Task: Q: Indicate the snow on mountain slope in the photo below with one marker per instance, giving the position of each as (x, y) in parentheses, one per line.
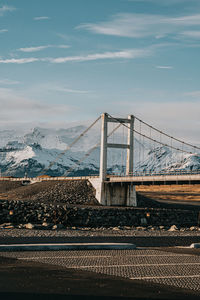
(7, 136)
(32, 152)
(51, 138)
(165, 159)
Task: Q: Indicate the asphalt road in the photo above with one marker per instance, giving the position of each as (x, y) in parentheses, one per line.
(101, 274)
(160, 272)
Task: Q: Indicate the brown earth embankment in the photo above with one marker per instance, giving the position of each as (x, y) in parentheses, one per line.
(177, 194)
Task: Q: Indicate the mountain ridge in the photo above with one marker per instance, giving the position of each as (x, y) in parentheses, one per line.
(32, 152)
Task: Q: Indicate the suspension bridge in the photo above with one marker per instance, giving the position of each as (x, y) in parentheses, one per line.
(148, 156)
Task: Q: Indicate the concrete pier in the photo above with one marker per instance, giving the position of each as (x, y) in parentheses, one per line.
(119, 194)
(114, 194)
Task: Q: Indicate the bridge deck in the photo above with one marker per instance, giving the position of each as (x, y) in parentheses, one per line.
(158, 179)
(135, 180)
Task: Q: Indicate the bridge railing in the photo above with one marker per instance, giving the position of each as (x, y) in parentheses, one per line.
(134, 174)
(168, 173)
(39, 179)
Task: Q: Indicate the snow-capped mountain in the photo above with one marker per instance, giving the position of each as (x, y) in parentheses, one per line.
(42, 151)
(164, 159)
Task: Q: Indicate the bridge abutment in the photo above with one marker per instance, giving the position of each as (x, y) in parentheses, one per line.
(119, 194)
(114, 194)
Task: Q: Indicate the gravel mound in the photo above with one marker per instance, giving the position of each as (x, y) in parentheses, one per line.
(69, 192)
(6, 186)
(74, 192)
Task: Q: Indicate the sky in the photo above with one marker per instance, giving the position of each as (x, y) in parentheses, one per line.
(71, 60)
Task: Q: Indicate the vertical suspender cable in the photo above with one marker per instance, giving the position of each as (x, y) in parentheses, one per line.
(150, 144)
(70, 146)
(160, 151)
(123, 153)
(143, 150)
(140, 146)
(87, 154)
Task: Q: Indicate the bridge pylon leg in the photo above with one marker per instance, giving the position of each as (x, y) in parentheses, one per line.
(130, 150)
(103, 153)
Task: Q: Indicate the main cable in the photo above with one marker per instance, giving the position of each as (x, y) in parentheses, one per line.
(145, 136)
(169, 136)
(88, 153)
(70, 146)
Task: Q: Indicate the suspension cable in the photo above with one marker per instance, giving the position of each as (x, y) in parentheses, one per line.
(152, 138)
(70, 146)
(163, 144)
(169, 136)
(89, 152)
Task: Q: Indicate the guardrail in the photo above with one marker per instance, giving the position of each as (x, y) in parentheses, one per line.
(38, 179)
(136, 175)
(143, 174)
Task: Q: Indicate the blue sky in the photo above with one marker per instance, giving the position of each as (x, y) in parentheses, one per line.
(69, 60)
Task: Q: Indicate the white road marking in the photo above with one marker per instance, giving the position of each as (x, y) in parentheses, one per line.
(165, 277)
(66, 257)
(141, 265)
(131, 265)
(104, 256)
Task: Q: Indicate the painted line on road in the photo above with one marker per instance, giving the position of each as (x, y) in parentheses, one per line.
(165, 277)
(138, 265)
(66, 257)
(99, 256)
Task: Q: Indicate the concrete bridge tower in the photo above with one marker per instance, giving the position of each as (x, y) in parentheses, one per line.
(115, 193)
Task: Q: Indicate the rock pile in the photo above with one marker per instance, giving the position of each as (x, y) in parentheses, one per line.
(72, 203)
(70, 192)
(24, 212)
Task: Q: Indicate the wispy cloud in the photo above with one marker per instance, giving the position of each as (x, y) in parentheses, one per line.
(41, 18)
(63, 46)
(142, 25)
(68, 90)
(194, 94)
(63, 36)
(191, 34)
(3, 30)
(33, 49)
(39, 48)
(8, 82)
(160, 2)
(164, 67)
(186, 20)
(18, 60)
(125, 54)
(5, 8)
(16, 107)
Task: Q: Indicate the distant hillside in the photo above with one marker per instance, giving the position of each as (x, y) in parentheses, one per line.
(31, 152)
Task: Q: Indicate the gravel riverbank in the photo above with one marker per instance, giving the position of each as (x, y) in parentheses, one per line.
(64, 204)
(90, 232)
(140, 237)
